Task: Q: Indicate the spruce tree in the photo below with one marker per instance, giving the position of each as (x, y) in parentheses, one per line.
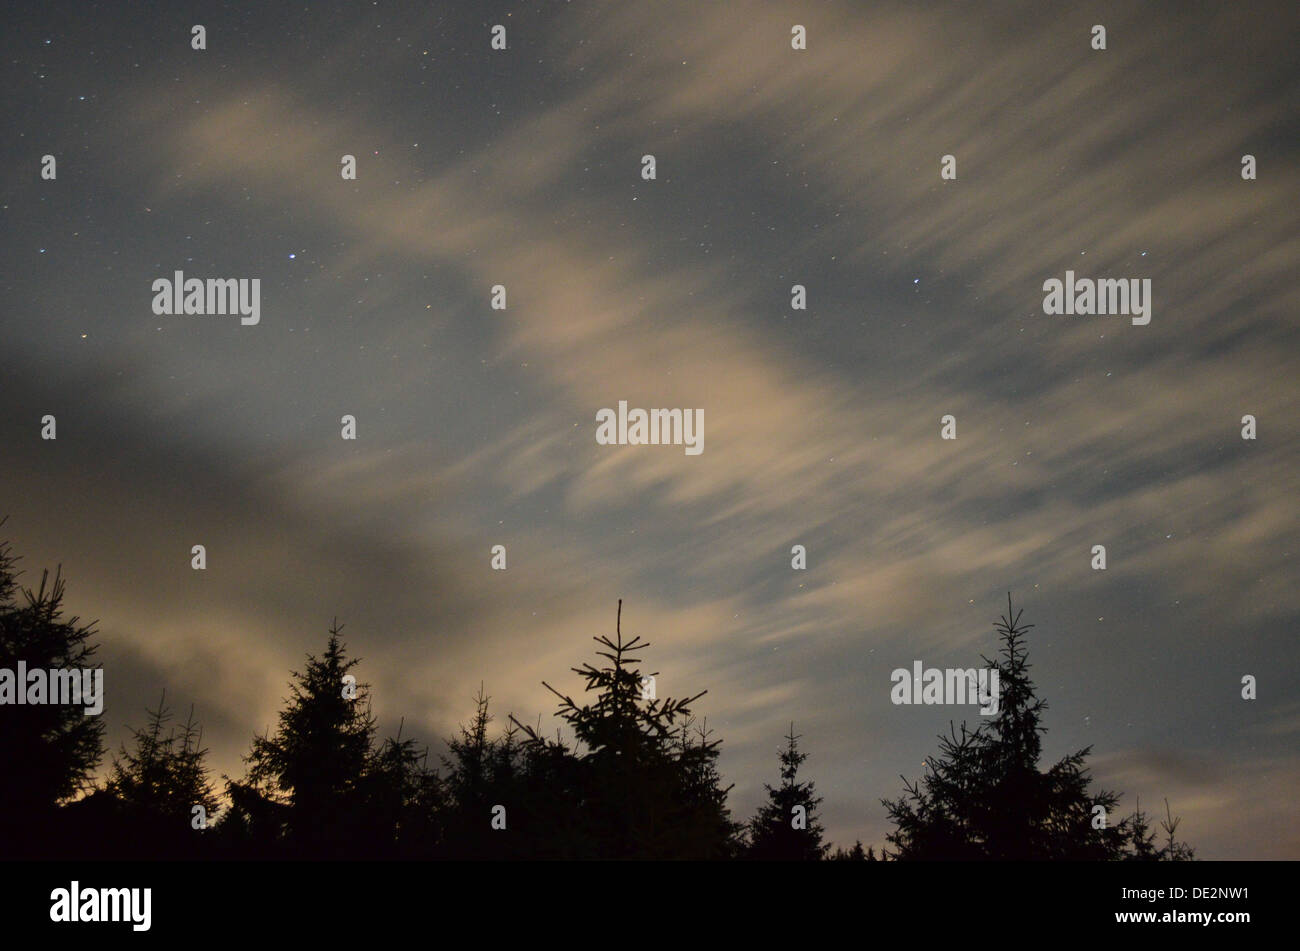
(403, 801)
(316, 762)
(632, 786)
(1174, 850)
(164, 775)
(49, 750)
(482, 773)
(469, 764)
(854, 854)
(786, 827)
(1141, 843)
(697, 758)
(984, 797)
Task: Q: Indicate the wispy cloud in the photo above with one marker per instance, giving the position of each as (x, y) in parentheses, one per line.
(478, 424)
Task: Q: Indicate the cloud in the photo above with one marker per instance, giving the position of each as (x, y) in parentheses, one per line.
(821, 427)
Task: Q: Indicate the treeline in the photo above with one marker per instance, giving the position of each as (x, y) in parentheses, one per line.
(638, 778)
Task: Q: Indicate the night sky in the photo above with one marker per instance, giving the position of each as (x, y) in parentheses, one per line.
(476, 426)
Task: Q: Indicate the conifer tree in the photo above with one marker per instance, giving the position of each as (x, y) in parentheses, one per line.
(984, 796)
(469, 765)
(316, 762)
(49, 750)
(548, 799)
(698, 761)
(636, 791)
(786, 827)
(1141, 837)
(164, 775)
(404, 801)
(1141, 846)
(854, 854)
(482, 773)
(1174, 850)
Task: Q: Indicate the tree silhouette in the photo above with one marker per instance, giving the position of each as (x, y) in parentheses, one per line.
(984, 797)
(164, 775)
(146, 805)
(786, 828)
(1141, 839)
(483, 773)
(638, 779)
(638, 788)
(315, 764)
(471, 766)
(697, 760)
(854, 854)
(403, 801)
(49, 750)
(1174, 850)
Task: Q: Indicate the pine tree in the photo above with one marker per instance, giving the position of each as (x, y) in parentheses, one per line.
(786, 827)
(315, 764)
(1174, 850)
(1141, 837)
(548, 806)
(164, 775)
(404, 801)
(632, 786)
(482, 773)
(469, 764)
(854, 854)
(697, 759)
(49, 750)
(984, 797)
